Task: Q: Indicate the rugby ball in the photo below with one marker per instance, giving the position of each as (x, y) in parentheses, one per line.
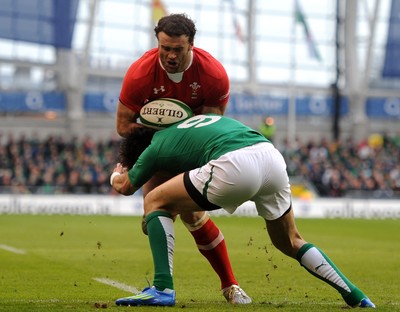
(164, 112)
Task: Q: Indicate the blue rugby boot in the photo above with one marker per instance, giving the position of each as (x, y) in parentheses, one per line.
(150, 296)
(366, 303)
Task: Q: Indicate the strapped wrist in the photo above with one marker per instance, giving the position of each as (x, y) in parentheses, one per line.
(114, 174)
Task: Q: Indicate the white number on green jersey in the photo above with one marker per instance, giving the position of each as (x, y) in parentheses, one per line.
(199, 121)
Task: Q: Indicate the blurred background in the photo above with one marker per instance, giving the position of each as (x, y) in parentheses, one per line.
(320, 78)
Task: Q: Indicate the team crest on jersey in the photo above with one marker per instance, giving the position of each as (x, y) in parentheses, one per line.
(159, 90)
(195, 86)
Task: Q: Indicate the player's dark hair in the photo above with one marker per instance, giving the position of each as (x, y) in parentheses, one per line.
(176, 25)
(131, 147)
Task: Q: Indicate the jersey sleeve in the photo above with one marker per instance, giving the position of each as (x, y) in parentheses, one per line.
(144, 168)
(219, 95)
(130, 95)
(136, 80)
(218, 86)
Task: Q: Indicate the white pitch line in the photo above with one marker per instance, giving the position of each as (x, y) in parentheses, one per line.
(12, 249)
(116, 284)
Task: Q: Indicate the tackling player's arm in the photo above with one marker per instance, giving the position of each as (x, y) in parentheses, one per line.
(120, 182)
(127, 181)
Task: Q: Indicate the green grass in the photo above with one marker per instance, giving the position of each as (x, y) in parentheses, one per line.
(64, 254)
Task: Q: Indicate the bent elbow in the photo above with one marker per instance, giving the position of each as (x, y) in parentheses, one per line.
(122, 131)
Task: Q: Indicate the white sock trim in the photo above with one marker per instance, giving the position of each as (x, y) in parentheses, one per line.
(316, 263)
(213, 244)
(168, 226)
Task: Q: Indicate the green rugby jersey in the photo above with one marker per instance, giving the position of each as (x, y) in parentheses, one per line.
(190, 144)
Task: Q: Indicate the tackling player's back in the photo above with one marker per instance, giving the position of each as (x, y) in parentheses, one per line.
(191, 144)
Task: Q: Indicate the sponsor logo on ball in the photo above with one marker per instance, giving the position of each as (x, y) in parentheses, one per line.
(164, 112)
(161, 112)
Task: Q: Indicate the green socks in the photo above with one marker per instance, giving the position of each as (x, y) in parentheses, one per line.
(160, 228)
(318, 264)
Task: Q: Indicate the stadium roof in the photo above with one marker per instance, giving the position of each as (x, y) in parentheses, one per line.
(49, 22)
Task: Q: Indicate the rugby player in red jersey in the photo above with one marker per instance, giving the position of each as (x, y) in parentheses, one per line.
(176, 69)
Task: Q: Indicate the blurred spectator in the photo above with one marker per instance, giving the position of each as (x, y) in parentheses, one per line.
(345, 168)
(268, 128)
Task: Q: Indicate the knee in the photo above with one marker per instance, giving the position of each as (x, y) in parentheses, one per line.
(150, 203)
(194, 220)
(154, 201)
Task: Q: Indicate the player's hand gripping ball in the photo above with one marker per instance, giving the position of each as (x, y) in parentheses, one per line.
(164, 112)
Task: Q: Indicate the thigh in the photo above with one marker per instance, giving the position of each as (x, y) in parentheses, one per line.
(170, 196)
(157, 179)
(188, 217)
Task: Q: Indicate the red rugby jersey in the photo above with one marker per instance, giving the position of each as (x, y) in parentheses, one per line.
(204, 83)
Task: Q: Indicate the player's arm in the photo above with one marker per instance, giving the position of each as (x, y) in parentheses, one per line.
(120, 182)
(126, 120)
(127, 181)
(218, 94)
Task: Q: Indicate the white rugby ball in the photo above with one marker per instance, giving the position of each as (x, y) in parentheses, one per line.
(164, 112)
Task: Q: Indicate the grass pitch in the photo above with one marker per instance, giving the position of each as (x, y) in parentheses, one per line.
(84, 263)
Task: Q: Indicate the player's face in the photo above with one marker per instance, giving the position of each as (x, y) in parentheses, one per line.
(174, 52)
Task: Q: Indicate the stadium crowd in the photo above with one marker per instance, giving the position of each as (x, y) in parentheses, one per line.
(55, 165)
(369, 168)
(81, 166)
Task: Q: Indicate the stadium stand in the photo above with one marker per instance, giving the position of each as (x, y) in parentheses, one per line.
(82, 166)
(56, 166)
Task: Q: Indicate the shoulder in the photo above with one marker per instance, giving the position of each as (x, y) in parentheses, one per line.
(208, 64)
(144, 65)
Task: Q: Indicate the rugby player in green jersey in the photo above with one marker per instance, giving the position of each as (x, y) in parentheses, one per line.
(219, 163)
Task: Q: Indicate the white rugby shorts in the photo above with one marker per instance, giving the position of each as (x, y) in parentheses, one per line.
(256, 173)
